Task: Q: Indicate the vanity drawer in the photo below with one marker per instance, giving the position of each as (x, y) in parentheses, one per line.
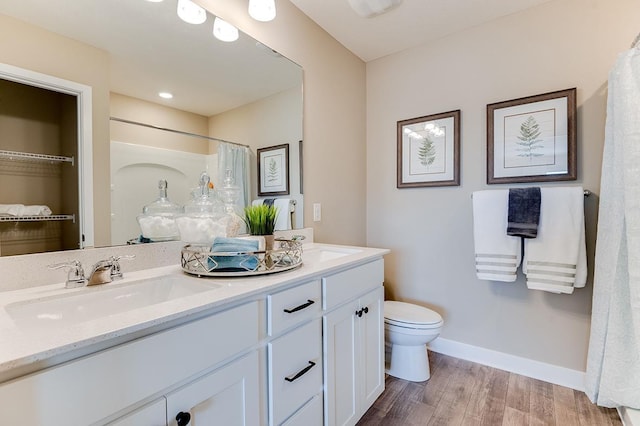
(295, 370)
(291, 307)
(309, 415)
(347, 285)
(111, 380)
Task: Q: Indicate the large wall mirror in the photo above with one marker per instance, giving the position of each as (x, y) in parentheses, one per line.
(128, 51)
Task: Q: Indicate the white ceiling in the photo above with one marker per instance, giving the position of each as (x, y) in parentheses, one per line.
(413, 23)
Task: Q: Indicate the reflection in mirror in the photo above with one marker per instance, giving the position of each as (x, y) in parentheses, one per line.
(241, 92)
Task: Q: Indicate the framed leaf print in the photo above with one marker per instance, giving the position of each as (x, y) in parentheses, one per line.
(429, 151)
(273, 170)
(532, 139)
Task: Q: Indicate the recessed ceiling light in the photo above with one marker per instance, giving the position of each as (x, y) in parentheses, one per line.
(165, 95)
(190, 12)
(224, 31)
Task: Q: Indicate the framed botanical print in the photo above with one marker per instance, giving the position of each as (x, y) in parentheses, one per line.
(273, 170)
(532, 139)
(428, 150)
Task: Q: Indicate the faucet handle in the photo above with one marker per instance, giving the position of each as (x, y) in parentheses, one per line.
(116, 272)
(75, 276)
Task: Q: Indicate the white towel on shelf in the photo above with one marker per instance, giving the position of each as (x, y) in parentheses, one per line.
(11, 209)
(556, 261)
(497, 254)
(36, 211)
(22, 210)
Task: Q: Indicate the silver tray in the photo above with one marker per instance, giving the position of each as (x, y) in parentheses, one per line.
(201, 261)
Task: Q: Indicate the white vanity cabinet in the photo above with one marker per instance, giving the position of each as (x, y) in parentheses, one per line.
(95, 388)
(354, 342)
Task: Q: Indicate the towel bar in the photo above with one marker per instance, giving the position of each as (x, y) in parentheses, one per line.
(586, 193)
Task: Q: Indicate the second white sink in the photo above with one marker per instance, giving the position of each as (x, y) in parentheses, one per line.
(103, 300)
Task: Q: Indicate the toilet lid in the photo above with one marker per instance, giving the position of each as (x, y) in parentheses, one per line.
(408, 313)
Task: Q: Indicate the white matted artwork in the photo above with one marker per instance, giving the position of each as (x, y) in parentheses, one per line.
(532, 139)
(273, 170)
(428, 150)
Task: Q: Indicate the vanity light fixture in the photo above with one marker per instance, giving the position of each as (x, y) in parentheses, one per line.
(224, 31)
(262, 10)
(165, 95)
(190, 12)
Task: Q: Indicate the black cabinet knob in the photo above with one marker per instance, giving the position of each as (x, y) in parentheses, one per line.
(366, 310)
(359, 313)
(183, 418)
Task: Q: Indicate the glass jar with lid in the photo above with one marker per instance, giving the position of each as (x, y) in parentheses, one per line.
(204, 217)
(158, 219)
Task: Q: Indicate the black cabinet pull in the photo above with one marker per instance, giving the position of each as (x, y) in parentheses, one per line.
(183, 418)
(366, 310)
(301, 372)
(359, 313)
(301, 307)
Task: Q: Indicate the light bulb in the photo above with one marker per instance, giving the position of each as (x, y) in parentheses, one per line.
(190, 12)
(224, 31)
(262, 10)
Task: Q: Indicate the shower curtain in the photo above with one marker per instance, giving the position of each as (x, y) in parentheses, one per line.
(235, 158)
(613, 364)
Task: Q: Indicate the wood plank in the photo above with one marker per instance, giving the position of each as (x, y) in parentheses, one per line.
(519, 392)
(565, 406)
(419, 414)
(393, 388)
(493, 412)
(542, 408)
(477, 403)
(513, 417)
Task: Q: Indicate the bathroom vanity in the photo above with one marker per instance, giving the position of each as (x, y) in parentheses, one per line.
(161, 347)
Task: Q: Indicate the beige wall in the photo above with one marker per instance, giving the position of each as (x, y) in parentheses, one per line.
(559, 45)
(32, 48)
(334, 116)
(133, 109)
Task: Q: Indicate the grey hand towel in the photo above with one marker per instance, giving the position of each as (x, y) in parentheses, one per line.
(524, 212)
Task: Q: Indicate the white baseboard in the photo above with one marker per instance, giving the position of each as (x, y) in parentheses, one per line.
(567, 377)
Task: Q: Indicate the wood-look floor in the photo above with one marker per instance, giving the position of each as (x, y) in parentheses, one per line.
(464, 393)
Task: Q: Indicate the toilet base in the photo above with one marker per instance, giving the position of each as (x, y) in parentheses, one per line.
(409, 363)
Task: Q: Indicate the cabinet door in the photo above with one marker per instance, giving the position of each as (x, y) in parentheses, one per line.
(153, 414)
(340, 365)
(229, 396)
(371, 349)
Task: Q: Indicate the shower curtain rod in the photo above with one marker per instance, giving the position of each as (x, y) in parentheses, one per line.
(180, 132)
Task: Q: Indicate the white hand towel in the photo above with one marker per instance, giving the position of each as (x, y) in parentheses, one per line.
(283, 219)
(36, 211)
(11, 209)
(556, 261)
(497, 254)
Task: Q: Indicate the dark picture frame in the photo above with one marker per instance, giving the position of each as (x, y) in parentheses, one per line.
(532, 139)
(273, 170)
(428, 150)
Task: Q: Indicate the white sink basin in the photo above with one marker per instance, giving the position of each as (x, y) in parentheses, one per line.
(323, 254)
(103, 300)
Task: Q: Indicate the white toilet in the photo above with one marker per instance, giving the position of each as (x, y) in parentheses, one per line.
(408, 328)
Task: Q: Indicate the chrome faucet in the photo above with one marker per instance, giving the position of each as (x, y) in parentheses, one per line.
(107, 270)
(75, 277)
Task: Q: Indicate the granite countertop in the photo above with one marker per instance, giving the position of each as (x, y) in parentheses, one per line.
(27, 348)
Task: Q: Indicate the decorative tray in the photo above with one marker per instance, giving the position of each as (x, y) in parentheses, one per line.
(201, 261)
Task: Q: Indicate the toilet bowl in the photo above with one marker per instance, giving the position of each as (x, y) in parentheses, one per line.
(408, 328)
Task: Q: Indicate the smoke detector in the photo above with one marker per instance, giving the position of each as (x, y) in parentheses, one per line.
(371, 8)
